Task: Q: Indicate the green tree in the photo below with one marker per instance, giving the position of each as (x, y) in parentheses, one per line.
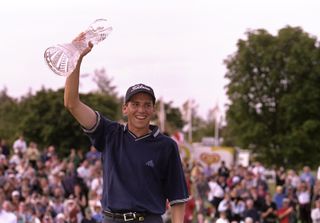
(9, 116)
(274, 96)
(173, 117)
(104, 82)
(47, 122)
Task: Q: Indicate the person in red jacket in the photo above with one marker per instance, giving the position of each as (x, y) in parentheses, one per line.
(284, 212)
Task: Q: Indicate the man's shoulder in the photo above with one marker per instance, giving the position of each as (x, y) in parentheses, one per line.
(114, 125)
(167, 140)
(165, 137)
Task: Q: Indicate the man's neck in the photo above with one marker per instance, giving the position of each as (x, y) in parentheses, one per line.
(139, 132)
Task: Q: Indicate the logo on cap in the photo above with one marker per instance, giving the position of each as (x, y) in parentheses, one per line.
(139, 86)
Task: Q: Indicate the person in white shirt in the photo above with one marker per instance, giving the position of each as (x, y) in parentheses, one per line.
(84, 172)
(315, 212)
(6, 215)
(216, 193)
(304, 200)
(20, 145)
(222, 218)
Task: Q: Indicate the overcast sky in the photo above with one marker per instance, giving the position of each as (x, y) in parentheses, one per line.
(175, 46)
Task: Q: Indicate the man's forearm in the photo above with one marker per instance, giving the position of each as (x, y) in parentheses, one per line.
(71, 93)
(82, 113)
(177, 213)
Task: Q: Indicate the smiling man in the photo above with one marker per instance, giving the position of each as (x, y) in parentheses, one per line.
(142, 169)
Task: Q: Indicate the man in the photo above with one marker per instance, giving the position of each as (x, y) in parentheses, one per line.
(20, 146)
(285, 211)
(141, 167)
(315, 212)
(6, 213)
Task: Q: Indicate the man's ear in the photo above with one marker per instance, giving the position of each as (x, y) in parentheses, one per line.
(125, 109)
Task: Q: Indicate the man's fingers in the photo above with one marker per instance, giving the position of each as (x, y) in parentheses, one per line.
(80, 37)
(87, 50)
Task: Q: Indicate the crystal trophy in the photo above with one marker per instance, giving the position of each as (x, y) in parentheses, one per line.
(62, 58)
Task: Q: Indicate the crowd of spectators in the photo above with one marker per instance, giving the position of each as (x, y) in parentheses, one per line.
(39, 186)
(252, 194)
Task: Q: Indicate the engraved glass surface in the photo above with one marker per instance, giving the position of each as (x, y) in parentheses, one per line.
(62, 58)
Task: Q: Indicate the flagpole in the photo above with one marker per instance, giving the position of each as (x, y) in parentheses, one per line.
(216, 124)
(190, 120)
(162, 116)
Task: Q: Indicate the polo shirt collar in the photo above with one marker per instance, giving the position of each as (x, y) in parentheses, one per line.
(154, 131)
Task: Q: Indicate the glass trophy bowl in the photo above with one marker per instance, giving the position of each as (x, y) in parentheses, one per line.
(62, 58)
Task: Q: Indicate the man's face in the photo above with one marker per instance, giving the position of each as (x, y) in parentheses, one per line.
(139, 110)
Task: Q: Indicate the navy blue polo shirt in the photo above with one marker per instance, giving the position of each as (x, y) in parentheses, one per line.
(139, 174)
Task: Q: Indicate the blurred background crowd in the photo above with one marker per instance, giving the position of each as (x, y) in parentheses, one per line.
(39, 186)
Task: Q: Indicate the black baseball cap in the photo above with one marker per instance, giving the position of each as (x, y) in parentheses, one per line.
(137, 88)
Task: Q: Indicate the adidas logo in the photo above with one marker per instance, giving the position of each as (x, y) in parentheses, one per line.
(150, 163)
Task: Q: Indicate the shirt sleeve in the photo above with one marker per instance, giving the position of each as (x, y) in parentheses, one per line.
(88, 131)
(175, 185)
(99, 133)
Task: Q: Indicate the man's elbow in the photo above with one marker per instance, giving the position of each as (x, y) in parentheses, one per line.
(70, 105)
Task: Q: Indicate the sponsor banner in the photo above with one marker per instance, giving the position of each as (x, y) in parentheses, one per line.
(213, 155)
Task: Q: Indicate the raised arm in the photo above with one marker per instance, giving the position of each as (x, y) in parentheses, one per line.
(82, 112)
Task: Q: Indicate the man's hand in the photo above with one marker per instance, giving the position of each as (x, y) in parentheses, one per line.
(80, 38)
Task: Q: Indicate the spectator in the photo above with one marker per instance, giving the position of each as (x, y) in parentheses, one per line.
(88, 217)
(278, 196)
(280, 176)
(269, 210)
(80, 197)
(20, 146)
(238, 207)
(292, 179)
(223, 170)
(6, 213)
(285, 211)
(93, 155)
(32, 154)
(4, 148)
(97, 214)
(304, 201)
(307, 176)
(315, 212)
(251, 211)
(225, 205)
(72, 211)
(222, 217)
(51, 150)
(216, 193)
(15, 200)
(74, 157)
(84, 172)
(60, 218)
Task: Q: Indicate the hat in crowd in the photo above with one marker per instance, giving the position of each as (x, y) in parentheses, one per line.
(60, 216)
(138, 88)
(15, 193)
(248, 220)
(11, 175)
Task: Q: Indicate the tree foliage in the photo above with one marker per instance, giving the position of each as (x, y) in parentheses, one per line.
(274, 96)
(42, 117)
(47, 122)
(173, 117)
(9, 116)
